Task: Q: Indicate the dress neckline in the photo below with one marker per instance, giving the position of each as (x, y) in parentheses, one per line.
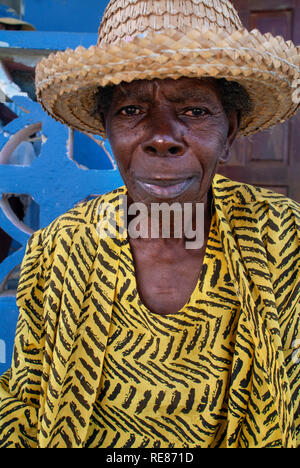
(195, 292)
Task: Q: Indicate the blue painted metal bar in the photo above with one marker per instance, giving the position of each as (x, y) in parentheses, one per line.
(8, 320)
(43, 40)
(53, 179)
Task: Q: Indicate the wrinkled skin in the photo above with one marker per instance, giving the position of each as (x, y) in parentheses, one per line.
(168, 137)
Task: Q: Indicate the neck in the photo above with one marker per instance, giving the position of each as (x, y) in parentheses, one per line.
(171, 223)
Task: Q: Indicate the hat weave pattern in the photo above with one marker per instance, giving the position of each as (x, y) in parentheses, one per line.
(148, 39)
(123, 18)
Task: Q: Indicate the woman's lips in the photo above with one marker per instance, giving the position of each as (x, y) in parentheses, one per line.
(165, 188)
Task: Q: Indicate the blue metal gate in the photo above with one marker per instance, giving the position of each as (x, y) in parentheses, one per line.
(58, 169)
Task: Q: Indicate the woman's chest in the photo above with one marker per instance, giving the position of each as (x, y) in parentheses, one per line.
(165, 284)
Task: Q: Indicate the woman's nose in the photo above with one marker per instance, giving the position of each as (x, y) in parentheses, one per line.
(164, 135)
(163, 145)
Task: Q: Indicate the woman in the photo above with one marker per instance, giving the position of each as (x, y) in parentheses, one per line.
(138, 340)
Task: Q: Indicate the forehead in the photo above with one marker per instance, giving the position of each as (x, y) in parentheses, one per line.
(175, 90)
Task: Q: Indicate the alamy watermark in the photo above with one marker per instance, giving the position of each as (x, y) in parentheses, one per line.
(159, 220)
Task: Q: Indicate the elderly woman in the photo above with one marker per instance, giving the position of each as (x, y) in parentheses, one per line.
(139, 341)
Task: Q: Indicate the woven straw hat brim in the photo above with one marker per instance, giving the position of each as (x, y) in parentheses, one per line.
(267, 66)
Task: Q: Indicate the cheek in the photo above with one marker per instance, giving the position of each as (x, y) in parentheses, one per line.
(125, 145)
(121, 146)
(213, 137)
(208, 146)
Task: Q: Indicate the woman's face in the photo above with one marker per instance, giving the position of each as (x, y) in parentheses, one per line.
(168, 137)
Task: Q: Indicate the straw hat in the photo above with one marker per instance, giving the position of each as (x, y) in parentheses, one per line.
(147, 39)
(10, 17)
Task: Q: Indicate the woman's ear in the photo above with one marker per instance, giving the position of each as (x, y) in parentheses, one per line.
(234, 120)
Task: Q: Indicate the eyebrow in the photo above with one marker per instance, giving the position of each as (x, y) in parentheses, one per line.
(138, 94)
(186, 94)
(190, 94)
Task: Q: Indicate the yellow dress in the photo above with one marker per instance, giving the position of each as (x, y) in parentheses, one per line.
(92, 366)
(165, 379)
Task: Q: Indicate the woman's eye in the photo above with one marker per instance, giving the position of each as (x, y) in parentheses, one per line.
(195, 112)
(130, 110)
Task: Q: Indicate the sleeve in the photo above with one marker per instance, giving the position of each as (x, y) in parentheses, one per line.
(284, 251)
(20, 386)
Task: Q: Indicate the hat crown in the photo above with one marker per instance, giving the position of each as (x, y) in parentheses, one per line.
(124, 19)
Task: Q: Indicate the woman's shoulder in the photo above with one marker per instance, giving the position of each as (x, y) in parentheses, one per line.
(85, 214)
(234, 193)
